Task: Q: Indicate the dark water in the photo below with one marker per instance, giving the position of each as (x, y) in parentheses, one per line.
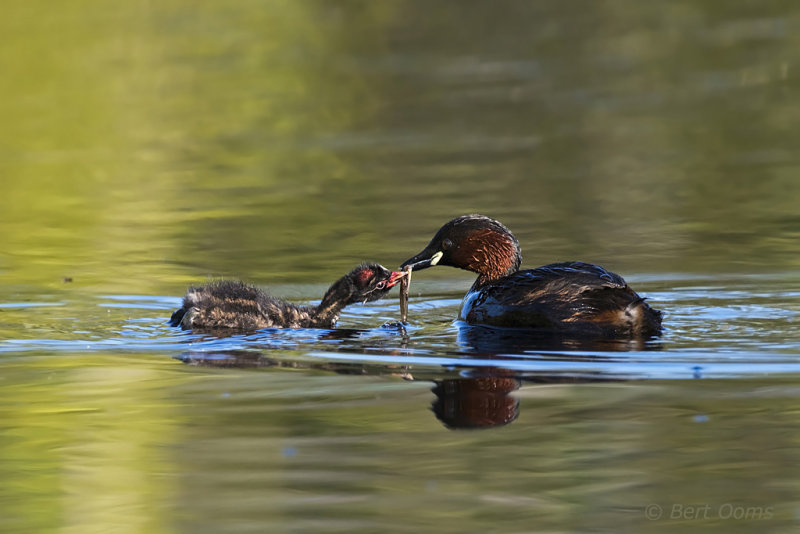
(147, 147)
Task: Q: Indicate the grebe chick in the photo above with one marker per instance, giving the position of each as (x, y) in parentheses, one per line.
(572, 297)
(234, 304)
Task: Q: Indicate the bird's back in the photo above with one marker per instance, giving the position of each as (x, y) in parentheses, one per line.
(234, 304)
(574, 297)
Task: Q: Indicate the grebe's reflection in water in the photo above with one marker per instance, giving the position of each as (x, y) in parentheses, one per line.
(481, 402)
(478, 398)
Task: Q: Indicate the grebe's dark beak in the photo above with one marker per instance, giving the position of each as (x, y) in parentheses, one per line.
(395, 278)
(423, 260)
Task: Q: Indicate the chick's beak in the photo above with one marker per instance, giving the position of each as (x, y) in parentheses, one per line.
(423, 260)
(395, 278)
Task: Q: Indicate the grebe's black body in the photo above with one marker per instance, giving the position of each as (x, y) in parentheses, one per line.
(235, 305)
(573, 297)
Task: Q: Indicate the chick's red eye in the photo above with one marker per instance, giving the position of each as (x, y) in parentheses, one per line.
(381, 284)
(446, 244)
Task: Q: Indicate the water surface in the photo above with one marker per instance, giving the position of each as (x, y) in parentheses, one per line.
(149, 147)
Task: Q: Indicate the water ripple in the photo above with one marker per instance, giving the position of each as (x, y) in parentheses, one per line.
(731, 328)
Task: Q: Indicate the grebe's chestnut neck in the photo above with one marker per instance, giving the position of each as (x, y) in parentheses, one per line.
(475, 243)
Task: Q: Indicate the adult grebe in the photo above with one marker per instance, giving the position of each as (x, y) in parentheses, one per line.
(573, 297)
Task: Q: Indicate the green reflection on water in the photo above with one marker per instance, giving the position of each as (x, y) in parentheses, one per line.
(83, 446)
(147, 444)
(145, 146)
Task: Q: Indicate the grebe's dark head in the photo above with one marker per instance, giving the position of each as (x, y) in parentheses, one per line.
(365, 283)
(472, 242)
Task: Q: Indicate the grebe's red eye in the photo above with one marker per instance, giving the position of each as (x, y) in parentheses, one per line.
(446, 244)
(381, 284)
